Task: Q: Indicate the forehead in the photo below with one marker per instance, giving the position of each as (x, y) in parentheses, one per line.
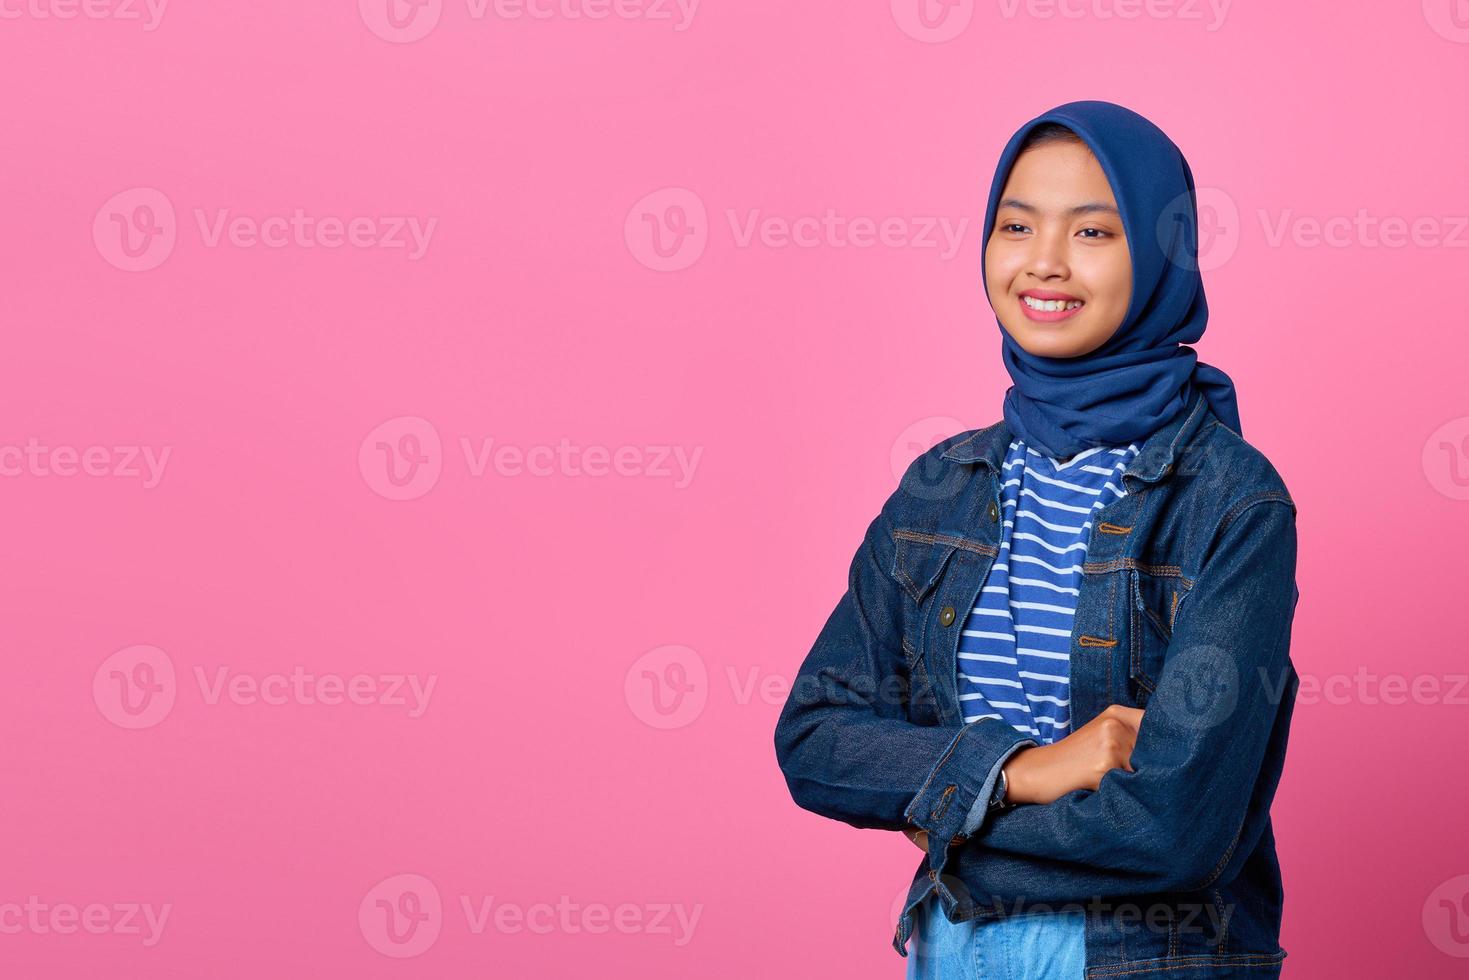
(1056, 174)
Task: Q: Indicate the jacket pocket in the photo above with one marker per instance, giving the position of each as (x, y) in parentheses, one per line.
(919, 558)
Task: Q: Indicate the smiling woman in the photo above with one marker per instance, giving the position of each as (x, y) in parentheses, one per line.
(1058, 252)
(1080, 620)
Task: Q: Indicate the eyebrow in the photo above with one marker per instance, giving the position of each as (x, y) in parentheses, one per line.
(1091, 207)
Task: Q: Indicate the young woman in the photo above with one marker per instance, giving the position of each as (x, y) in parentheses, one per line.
(1061, 664)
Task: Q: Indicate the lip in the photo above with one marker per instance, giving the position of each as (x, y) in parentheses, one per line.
(1042, 316)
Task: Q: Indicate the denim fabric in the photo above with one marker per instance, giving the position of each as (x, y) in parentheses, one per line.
(1030, 946)
(1186, 604)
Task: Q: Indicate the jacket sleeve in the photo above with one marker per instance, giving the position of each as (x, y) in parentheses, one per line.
(1177, 822)
(843, 738)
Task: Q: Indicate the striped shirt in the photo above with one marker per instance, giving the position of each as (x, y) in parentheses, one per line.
(1015, 651)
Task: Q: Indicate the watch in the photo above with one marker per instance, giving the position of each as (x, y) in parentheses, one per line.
(997, 798)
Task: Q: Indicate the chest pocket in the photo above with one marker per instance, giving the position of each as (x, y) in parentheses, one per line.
(1154, 608)
(920, 560)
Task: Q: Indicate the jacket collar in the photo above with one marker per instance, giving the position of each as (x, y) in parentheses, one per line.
(1154, 460)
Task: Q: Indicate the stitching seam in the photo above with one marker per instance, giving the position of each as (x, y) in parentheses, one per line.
(1116, 564)
(962, 543)
(1188, 963)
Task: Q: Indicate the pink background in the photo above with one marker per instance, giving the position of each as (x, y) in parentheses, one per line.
(796, 381)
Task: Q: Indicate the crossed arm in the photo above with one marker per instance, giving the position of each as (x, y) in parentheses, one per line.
(1174, 821)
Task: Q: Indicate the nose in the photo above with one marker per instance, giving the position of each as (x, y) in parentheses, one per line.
(1047, 259)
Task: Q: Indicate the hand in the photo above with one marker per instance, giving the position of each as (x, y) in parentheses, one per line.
(1043, 773)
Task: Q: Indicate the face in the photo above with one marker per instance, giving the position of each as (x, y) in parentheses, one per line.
(1057, 266)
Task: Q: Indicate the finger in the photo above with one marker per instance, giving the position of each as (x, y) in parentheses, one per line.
(1131, 717)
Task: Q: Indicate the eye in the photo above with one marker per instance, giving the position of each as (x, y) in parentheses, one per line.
(1099, 233)
(1013, 227)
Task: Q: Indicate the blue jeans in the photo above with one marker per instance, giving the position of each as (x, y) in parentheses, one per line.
(1029, 946)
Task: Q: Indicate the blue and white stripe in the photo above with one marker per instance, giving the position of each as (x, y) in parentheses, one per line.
(1015, 651)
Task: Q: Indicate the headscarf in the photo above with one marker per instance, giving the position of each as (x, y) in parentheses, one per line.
(1143, 376)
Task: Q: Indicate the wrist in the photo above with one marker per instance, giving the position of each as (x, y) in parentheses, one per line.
(1017, 783)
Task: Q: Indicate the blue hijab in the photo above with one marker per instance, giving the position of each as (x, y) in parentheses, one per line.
(1143, 376)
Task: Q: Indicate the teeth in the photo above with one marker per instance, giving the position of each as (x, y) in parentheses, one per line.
(1050, 305)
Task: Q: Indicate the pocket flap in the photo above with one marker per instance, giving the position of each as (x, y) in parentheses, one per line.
(918, 560)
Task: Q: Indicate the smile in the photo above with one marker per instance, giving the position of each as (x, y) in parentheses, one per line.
(1050, 305)
(1049, 310)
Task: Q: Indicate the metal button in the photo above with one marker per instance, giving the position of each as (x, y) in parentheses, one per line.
(946, 616)
(994, 511)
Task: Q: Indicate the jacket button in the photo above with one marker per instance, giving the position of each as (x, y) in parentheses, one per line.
(946, 616)
(994, 511)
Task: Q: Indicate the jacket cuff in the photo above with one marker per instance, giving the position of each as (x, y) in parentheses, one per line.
(981, 807)
(964, 776)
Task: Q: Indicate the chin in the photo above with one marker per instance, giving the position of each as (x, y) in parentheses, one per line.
(1040, 343)
(1053, 350)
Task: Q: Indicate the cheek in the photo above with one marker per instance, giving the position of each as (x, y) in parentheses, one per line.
(1108, 280)
(1000, 267)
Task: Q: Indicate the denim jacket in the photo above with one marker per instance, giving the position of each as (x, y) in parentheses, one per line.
(1185, 609)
